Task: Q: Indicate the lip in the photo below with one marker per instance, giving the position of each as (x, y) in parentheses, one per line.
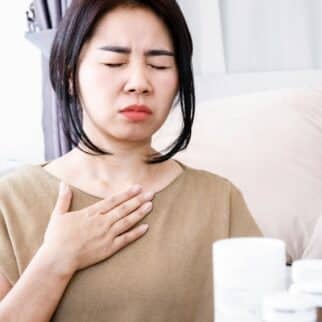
(136, 113)
(137, 108)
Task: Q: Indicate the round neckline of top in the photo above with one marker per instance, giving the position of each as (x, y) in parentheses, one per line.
(174, 182)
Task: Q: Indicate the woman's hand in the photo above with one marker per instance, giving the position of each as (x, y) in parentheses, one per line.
(82, 238)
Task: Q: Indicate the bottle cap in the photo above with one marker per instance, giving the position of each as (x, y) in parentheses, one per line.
(312, 291)
(307, 271)
(250, 262)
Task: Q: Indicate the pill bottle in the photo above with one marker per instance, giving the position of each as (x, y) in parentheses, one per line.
(285, 307)
(307, 280)
(244, 271)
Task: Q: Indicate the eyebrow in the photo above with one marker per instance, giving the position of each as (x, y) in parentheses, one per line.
(126, 50)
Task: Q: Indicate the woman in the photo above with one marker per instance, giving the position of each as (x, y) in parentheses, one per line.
(128, 238)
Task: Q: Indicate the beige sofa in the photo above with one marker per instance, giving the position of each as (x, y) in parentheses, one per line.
(270, 145)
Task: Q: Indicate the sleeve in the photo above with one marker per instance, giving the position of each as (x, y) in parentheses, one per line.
(242, 223)
(8, 264)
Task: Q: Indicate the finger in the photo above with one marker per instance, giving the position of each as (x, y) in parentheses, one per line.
(64, 199)
(127, 208)
(129, 237)
(129, 221)
(113, 201)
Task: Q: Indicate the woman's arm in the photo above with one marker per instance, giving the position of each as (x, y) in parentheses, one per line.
(38, 291)
(110, 225)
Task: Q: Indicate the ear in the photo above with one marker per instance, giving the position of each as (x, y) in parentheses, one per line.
(70, 81)
(70, 87)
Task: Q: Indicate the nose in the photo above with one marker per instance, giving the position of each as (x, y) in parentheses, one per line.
(138, 81)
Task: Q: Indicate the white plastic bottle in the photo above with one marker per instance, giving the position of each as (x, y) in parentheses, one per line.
(307, 282)
(307, 271)
(284, 307)
(245, 270)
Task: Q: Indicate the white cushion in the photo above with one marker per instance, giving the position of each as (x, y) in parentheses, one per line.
(270, 145)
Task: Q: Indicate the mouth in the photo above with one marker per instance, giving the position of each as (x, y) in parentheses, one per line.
(136, 112)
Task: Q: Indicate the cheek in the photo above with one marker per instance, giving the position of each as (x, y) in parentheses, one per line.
(168, 90)
(169, 85)
(94, 92)
(90, 78)
(86, 79)
(95, 86)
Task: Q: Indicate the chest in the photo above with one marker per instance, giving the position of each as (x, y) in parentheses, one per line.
(169, 269)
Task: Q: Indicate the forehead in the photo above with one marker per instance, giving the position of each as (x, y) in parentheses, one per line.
(129, 26)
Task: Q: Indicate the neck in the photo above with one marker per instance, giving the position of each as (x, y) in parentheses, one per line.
(126, 166)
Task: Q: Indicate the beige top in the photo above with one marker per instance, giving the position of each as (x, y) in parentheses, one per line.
(164, 276)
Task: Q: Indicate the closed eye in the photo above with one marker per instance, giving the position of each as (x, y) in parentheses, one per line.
(113, 65)
(153, 66)
(159, 67)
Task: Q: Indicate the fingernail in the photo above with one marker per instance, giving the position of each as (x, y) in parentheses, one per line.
(147, 206)
(136, 188)
(148, 196)
(144, 227)
(63, 187)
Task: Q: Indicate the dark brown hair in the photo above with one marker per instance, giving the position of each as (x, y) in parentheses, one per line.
(77, 27)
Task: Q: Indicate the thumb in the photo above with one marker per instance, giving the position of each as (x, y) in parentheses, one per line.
(64, 199)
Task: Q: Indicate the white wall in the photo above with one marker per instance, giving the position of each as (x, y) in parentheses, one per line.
(213, 76)
(20, 80)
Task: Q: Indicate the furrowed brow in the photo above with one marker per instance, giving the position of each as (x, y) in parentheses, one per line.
(158, 52)
(126, 50)
(116, 49)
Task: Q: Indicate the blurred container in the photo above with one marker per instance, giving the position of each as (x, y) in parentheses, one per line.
(284, 307)
(311, 292)
(307, 278)
(245, 271)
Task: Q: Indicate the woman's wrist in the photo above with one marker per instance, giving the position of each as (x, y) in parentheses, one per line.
(56, 262)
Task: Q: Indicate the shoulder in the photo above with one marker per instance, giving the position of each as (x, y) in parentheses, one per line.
(202, 183)
(17, 175)
(206, 178)
(23, 181)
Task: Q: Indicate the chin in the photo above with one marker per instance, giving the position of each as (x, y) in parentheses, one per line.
(135, 134)
(133, 137)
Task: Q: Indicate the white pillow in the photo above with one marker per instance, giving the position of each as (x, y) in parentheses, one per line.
(270, 145)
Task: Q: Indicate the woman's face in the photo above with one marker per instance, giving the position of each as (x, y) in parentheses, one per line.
(127, 76)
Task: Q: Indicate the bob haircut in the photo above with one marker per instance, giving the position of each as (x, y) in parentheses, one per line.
(77, 27)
